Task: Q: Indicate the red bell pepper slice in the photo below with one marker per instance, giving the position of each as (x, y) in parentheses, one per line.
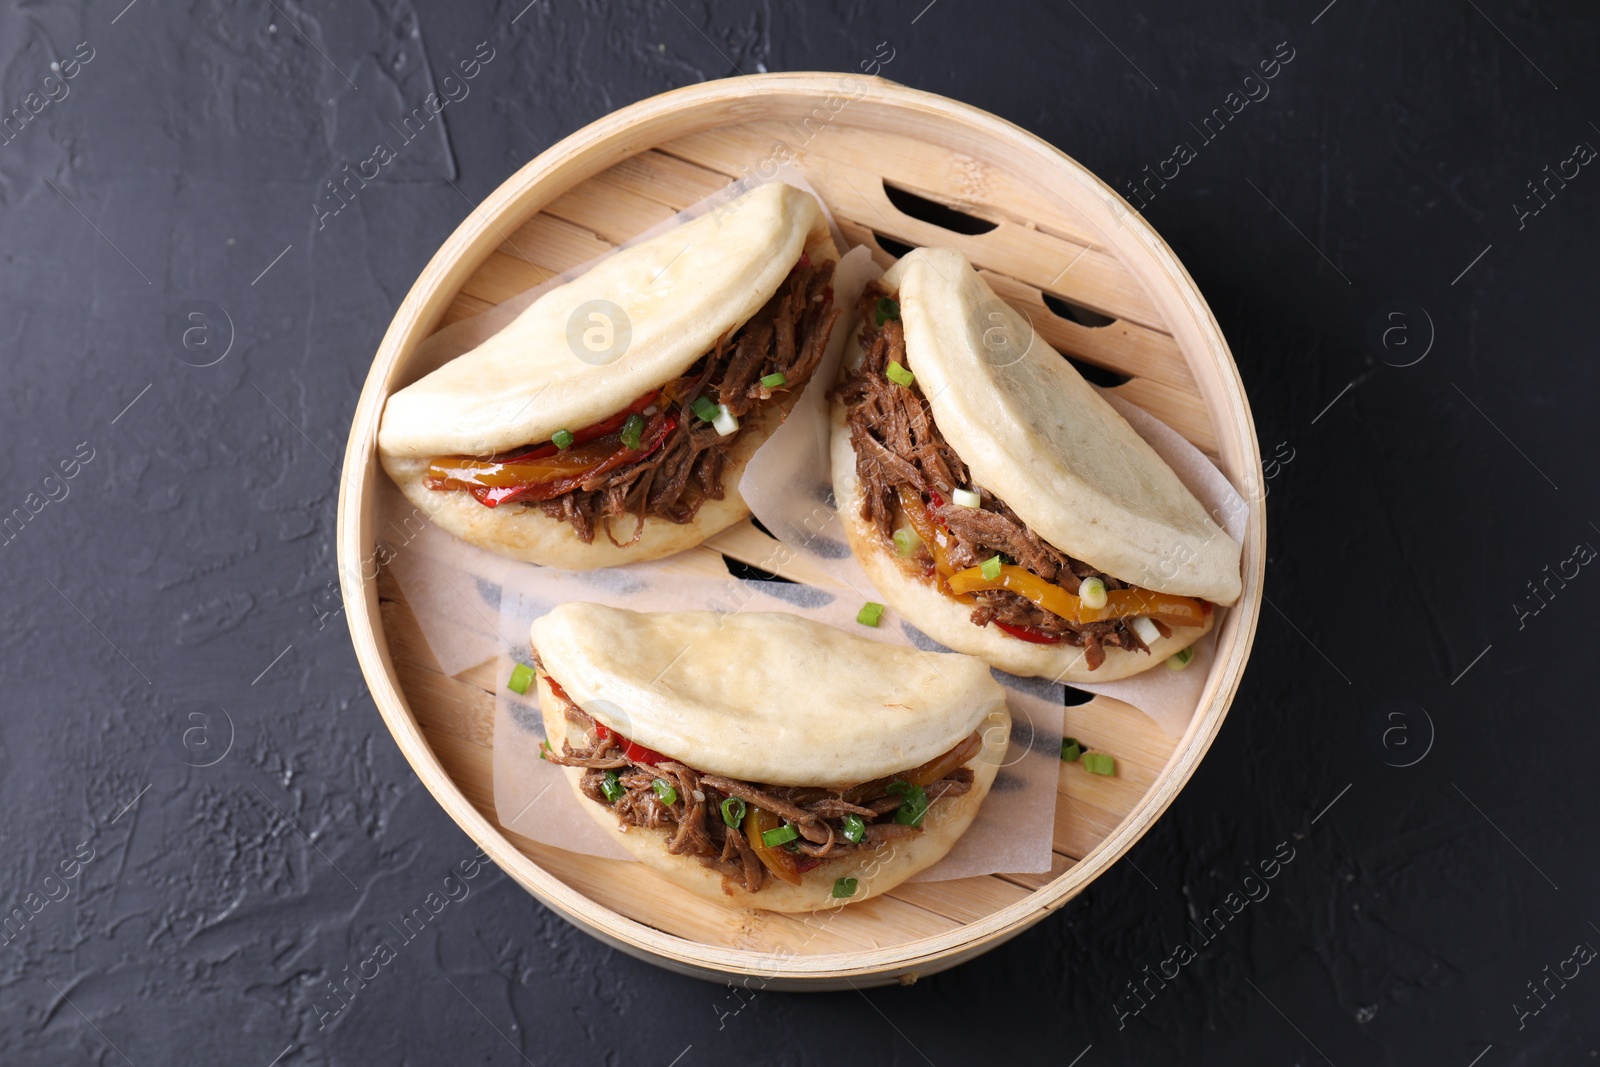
(1029, 634)
(602, 731)
(629, 748)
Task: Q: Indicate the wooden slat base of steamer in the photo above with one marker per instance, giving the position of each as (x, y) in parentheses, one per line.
(1022, 258)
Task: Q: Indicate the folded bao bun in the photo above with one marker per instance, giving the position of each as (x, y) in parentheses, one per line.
(1037, 436)
(678, 293)
(774, 700)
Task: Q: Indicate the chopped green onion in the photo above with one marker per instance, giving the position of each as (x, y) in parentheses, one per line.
(898, 374)
(1070, 749)
(521, 676)
(611, 787)
(844, 887)
(968, 498)
(704, 408)
(1098, 763)
(870, 613)
(633, 432)
(733, 812)
(781, 835)
(772, 381)
(906, 541)
(726, 422)
(1092, 591)
(664, 790)
(886, 309)
(913, 807)
(1180, 659)
(911, 812)
(990, 568)
(544, 746)
(561, 438)
(854, 829)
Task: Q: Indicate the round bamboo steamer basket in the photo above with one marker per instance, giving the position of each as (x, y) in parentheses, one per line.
(897, 167)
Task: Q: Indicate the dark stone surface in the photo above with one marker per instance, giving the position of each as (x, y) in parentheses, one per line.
(178, 584)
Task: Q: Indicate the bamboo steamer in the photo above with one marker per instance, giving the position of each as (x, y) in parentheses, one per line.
(1049, 228)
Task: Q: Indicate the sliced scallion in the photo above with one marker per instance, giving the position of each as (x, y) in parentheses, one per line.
(1070, 749)
(968, 498)
(870, 613)
(544, 747)
(779, 835)
(633, 432)
(844, 887)
(562, 438)
(521, 678)
(1145, 629)
(664, 790)
(611, 787)
(726, 422)
(914, 804)
(990, 568)
(906, 541)
(1092, 591)
(898, 373)
(733, 812)
(1180, 659)
(854, 829)
(911, 812)
(886, 309)
(705, 408)
(772, 381)
(1098, 763)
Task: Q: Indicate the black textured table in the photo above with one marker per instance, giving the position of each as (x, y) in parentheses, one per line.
(206, 822)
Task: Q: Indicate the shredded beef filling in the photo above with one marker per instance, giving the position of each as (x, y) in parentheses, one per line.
(787, 336)
(897, 445)
(694, 820)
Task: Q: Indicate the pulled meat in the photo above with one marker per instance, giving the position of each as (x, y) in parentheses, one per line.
(898, 446)
(788, 336)
(694, 819)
